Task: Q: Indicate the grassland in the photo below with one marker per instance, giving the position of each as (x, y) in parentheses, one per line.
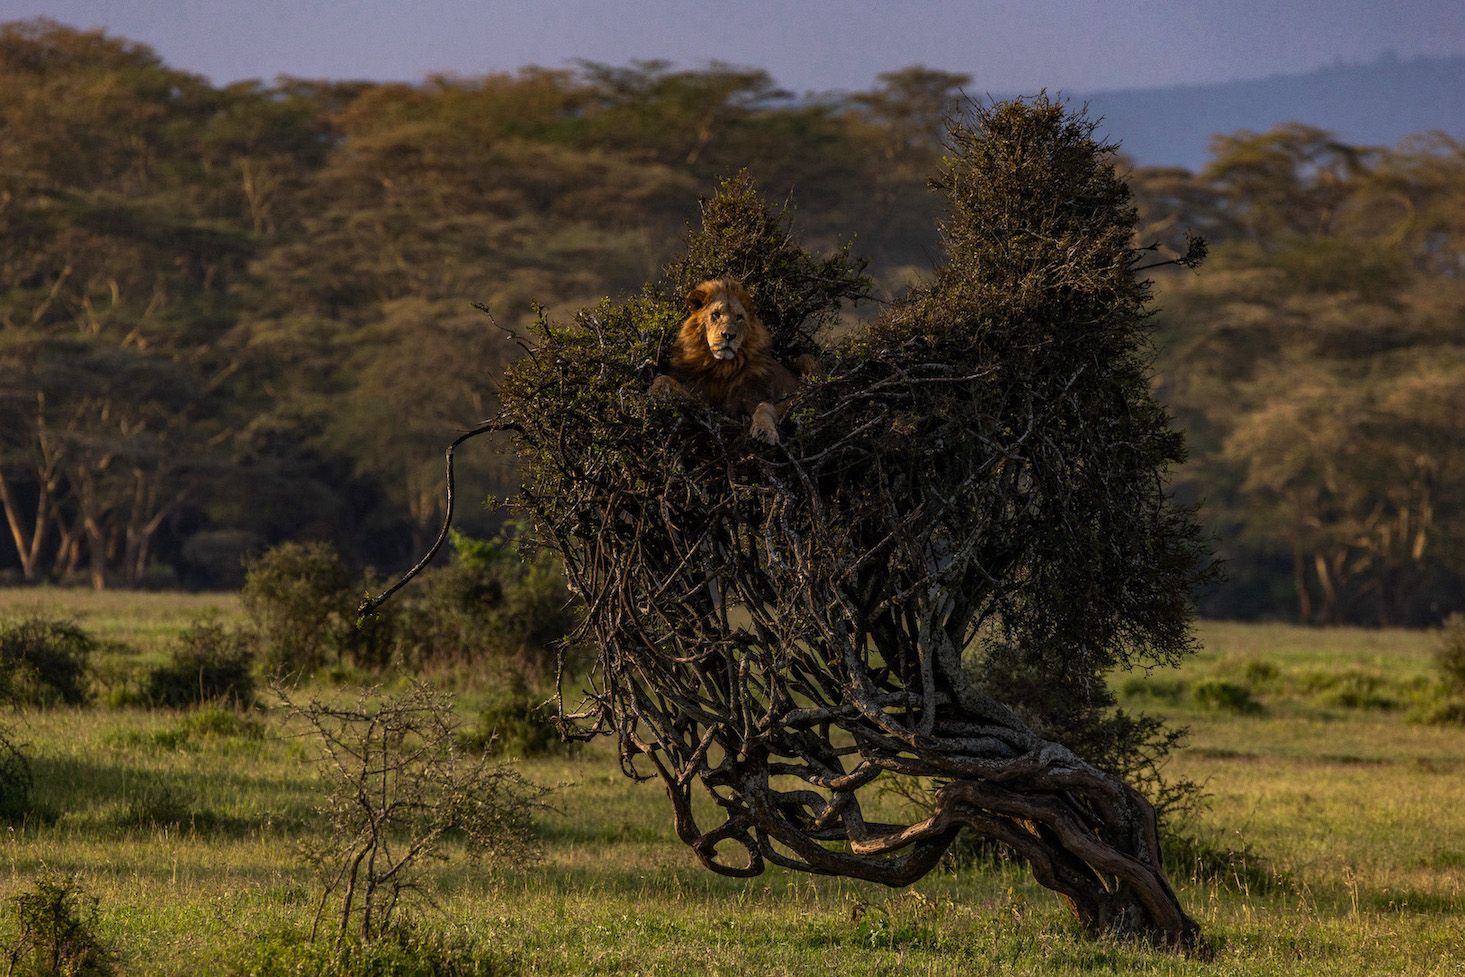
(1333, 840)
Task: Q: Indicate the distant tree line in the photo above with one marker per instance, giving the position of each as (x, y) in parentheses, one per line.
(235, 316)
(1317, 362)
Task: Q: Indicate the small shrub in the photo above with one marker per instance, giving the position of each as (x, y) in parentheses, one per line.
(1259, 672)
(45, 661)
(1449, 655)
(57, 933)
(490, 604)
(209, 722)
(1352, 688)
(208, 663)
(1444, 712)
(514, 724)
(396, 784)
(1159, 689)
(373, 642)
(118, 676)
(212, 721)
(1220, 694)
(301, 599)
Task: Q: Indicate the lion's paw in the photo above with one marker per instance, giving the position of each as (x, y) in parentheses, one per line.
(765, 424)
(666, 387)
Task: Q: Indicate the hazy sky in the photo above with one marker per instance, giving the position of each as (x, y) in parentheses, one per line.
(1008, 46)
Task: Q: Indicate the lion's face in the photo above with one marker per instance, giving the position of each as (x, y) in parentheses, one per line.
(722, 308)
(722, 355)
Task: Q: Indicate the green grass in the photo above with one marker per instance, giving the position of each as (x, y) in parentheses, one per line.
(1334, 779)
(142, 619)
(1350, 816)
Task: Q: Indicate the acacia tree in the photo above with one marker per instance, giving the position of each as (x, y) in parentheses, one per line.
(975, 493)
(1355, 473)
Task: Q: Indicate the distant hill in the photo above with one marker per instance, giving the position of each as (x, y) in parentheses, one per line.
(1366, 105)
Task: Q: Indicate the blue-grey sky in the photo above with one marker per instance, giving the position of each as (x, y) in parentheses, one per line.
(1007, 46)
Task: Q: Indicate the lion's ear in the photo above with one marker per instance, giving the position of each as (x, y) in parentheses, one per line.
(741, 294)
(698, 297)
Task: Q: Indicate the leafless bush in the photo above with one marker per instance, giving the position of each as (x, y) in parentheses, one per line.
(396, 783)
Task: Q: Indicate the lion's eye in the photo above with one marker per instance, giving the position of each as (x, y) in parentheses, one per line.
(717, 313)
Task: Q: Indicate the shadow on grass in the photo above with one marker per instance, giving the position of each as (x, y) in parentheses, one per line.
(98, 796)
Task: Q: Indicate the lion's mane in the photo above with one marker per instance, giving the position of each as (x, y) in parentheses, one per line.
(736, 386)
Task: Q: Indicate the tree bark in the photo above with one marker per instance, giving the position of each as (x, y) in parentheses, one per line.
(28, 543)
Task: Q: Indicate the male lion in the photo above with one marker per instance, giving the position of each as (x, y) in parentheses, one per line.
(722, 357)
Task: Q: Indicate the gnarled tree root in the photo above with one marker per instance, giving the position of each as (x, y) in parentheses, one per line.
(1107, 865)
(1111, 889)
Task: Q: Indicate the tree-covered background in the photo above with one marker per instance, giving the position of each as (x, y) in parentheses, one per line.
(231, 317)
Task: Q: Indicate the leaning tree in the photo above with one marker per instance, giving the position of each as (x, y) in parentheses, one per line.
(965, 525)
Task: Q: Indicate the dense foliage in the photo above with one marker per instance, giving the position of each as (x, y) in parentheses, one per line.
(489, 609)
(235, 316)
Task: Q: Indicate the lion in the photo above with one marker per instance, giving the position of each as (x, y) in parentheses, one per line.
(722, 356)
